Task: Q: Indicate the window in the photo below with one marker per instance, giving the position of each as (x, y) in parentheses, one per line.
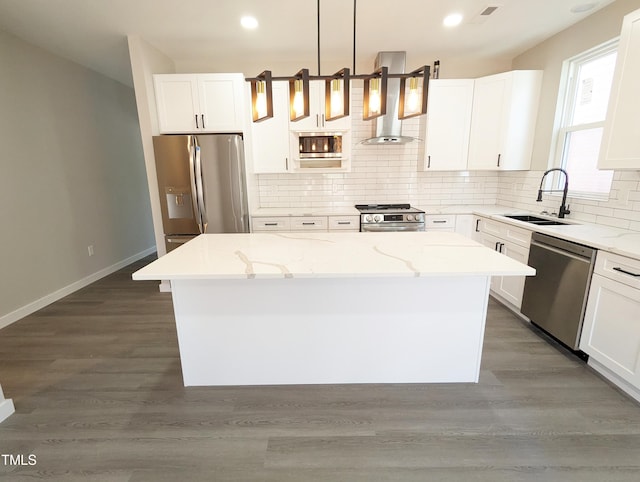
(582, 105)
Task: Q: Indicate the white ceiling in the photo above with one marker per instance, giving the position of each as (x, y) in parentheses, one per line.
(202, 35)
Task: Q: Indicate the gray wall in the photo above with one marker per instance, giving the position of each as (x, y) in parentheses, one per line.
(549, 55)
(71, 171)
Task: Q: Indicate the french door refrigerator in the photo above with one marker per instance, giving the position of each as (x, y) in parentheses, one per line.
(201, 181)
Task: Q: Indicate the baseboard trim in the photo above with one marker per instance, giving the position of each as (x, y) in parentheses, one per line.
(40, 303)
(6, 409)
(614, 379)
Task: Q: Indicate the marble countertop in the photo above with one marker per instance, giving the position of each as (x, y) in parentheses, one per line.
(330, 255)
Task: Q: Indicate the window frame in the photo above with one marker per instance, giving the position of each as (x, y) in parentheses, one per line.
(565, 106)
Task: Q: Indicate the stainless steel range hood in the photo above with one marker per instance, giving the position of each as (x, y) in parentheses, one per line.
(388, 128)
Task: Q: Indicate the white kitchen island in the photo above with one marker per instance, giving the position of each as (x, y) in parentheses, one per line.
(313, 308)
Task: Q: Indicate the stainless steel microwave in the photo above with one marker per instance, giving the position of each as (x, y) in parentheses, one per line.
(323, 145)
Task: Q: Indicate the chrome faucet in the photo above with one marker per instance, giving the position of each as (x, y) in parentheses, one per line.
(563, 209)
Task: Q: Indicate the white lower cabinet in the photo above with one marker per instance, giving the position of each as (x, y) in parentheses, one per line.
(305, 223)
(611, 330)
(512, 242)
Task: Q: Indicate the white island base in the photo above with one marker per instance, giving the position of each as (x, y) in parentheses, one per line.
(329, 308)
(296, 331)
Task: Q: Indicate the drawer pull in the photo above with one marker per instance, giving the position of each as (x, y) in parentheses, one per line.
(270, 224)
(440, 222)
(344, 222)
(308, 224)
(635, 275)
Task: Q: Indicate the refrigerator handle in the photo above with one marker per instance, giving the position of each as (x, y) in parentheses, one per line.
(238, 199)
(194, 192)
(200, 191)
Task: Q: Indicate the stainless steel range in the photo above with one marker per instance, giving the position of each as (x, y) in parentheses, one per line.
(390, 217)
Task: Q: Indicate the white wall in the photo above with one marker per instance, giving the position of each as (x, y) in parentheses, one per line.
(72, 176)
(549, 55)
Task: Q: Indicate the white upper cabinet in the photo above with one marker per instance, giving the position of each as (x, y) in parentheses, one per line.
(199, 102)
(317, 121)
(505, 108)
(620, 147)
(270, 137)
(448, 124)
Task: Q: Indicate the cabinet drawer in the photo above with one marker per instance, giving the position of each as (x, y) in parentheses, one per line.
(309, 223)
(271, 224)
(341, 223)
(505, 231)
(618, 268)
(445, 221)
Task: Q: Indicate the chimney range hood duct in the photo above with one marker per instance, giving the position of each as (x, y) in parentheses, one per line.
(389, 127)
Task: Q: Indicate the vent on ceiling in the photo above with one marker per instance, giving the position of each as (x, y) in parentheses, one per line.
(489, 10)
(483, 15)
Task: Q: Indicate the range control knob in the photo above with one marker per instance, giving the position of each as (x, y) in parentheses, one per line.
(409, 217)
(368, 218)
(377, 218)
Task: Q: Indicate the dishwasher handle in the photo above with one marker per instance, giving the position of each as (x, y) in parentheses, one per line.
(562, 252)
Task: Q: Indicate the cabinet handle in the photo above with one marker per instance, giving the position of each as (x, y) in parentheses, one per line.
(499, 160)
(501, 246)
(308, 224)
(497, 246)
(202, 117)
(477, 225)
(322, 120)
(197, 126)
(635, 275)
(270, 224)
(439, 222)
(344, 222)
(428, 162)
(317, 120)
(286, 163)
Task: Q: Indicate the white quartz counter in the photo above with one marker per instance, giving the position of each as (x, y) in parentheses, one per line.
(330, 255)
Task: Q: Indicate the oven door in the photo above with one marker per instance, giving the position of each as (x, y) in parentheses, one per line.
(390, 227)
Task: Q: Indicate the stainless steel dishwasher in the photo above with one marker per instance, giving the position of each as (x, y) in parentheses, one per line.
(555, 298)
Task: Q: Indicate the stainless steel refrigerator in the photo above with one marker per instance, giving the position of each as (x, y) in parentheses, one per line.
(201, 180)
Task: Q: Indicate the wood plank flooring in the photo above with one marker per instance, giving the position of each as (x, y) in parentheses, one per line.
(97, 386)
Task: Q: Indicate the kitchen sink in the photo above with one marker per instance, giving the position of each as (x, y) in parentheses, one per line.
(535, 220)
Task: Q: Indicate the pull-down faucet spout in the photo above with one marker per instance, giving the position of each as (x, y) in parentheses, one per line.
(563, 209)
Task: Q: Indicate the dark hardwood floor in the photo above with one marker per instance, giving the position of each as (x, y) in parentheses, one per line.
(97, 386)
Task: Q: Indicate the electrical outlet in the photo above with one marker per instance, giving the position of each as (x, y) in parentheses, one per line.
(90, 249)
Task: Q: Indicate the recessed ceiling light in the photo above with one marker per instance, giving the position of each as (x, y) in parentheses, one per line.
(249, 22)
(452, 20)
(583, 7)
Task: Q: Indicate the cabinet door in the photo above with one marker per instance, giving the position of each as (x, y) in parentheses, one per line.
(490, 99)
(465, 225)
(221, 102)
(448, 124)
(505, 109)
(511, 288)
(177, 102)
(611, 330)
(620, 142)
(270, 138)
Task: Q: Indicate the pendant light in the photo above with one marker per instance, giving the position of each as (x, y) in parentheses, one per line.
(336, 92)
(413, 97)
(413, 90)
(299, 95)
(375, 94)
(262, 96)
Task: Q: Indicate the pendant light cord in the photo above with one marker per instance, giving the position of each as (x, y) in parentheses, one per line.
(318, 10)
(354, 37)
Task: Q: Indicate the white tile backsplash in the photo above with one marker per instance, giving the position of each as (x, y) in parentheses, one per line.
(394, 174)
